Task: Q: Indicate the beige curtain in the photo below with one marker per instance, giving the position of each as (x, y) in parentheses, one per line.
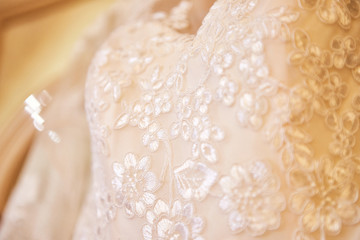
(36, 47)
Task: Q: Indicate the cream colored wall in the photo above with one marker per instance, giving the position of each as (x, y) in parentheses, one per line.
(36, 47)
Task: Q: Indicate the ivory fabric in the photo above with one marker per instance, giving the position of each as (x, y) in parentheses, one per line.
(245, 128)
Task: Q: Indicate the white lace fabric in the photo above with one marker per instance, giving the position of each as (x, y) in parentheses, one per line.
(246, 129)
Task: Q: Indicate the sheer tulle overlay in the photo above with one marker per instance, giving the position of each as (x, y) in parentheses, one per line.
(245, 128)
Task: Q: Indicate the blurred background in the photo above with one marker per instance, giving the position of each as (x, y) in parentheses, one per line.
(37, 39)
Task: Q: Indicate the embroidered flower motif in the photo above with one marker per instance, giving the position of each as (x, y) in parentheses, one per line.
(325, 197)
(329, 12)
(183, 108)
(202, 133)
(334, 91)
(134, 184)
(344, 128)
(154, 100)
(202, 99)
(183, 113)
(313, 61)
(251, 199)
(227, 91)
(257, 86)
(153, 136)
(178, 222)
(200, 128)
(138, 116)
(162, 103)
(304, 100)
(113, 82)
(345, 52)
(194, 180)
(252, 70)
(221, 60)
(251, 110)
(342, 145)
(194, 125)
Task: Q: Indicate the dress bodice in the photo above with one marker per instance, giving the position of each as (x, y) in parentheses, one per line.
(246, 129)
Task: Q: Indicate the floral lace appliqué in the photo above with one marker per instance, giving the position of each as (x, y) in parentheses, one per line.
(251, 199)
(173, 222)
(325, 198)
(134, 184)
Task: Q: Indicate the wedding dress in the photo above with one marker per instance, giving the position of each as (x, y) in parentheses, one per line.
(246, 128)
